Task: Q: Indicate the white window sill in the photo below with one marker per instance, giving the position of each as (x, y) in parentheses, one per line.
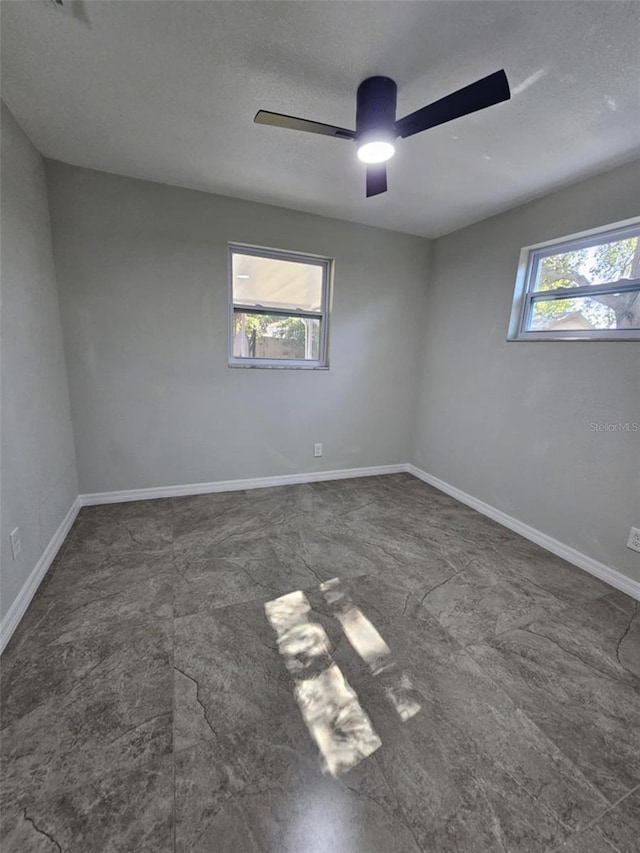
(532, 337)
(254, 366)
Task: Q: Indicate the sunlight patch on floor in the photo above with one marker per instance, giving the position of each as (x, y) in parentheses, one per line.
(329, 706)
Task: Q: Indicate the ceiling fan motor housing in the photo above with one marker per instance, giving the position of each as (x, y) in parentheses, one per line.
(376, 126)
(376, 107)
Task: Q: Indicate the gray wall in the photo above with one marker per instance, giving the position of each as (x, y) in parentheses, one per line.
(509, 422)
(37, 454)
(142, 272)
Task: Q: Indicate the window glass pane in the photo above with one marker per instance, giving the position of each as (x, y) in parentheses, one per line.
(606, 311)
(602, 264)
(275, 336)
(275, 283)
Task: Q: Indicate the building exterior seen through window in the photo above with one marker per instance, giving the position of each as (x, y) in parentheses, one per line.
(278, 308)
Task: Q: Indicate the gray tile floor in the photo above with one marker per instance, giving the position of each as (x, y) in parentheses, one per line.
(145, 706)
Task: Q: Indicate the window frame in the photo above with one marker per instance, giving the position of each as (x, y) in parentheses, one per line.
(326, 264)
(524, 296)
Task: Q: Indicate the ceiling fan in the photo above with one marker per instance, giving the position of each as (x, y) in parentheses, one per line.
(376, 126)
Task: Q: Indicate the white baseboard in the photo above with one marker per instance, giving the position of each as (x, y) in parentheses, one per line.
(235, 485)
(30, 586)
(605, 573)
(582, 561)
(17, 610)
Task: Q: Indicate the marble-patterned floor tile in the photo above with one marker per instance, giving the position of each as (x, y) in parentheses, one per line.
(81, 578)
(501, 551)
(393, 539)
(117, 714)
(572, 674)
(131, 526)
(455, 799)
(399, 488)
(221, 530)
(241, 547)
(192, 513)
(499, 548)
(416, 561)
(338, 485)
(149, 637)
(396, 492)
(282, 503)
(381, 600)
(479, 602)
(112, 721)
(110, 812)
(262, 790)
(526, 560)
(228, 508)
(128, 512)
(370, 537)
(203, 585)
(458, 522)
(621, 600)
(82, 737)
(627, 647)
(231, 658)
(453, 691)
(60, 645)
(617, 831)
(604, 639)
(344, 503)
(469, 773)
(229, 673)
(325, 551)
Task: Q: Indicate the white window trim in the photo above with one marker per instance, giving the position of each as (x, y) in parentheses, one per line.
(322, 363)
(527, 266)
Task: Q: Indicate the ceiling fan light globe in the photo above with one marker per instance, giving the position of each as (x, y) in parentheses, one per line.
(376, 151)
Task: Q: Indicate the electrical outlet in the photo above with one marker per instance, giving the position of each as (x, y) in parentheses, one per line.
(16, 545)
(317, 449)
(634, 539)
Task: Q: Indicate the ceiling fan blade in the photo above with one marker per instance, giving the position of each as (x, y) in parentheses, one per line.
(376, 179)
(294, 123)
(483, 93)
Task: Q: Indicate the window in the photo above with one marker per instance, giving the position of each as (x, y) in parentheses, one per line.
(279, 308)
(583, 287)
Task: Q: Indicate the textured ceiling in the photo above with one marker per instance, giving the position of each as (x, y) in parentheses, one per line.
(167, 91)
